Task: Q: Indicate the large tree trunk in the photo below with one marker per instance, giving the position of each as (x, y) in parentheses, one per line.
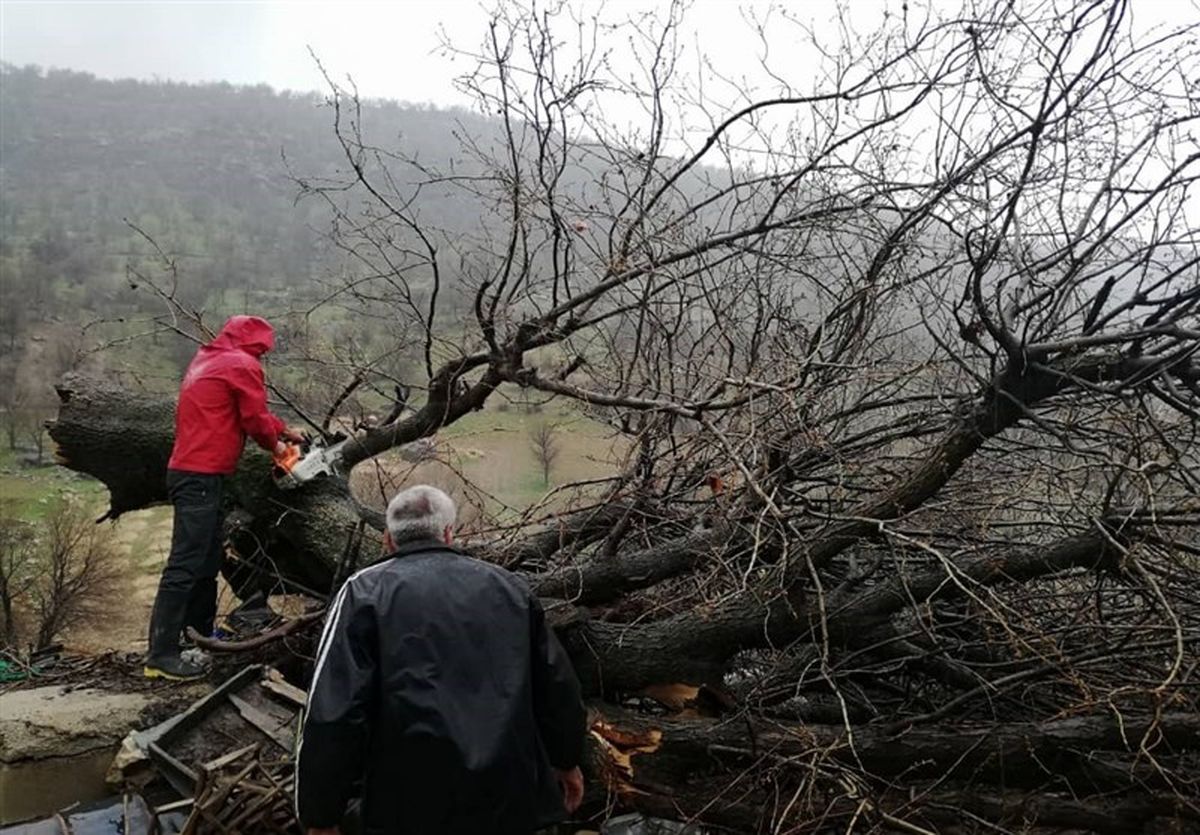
(744, 772)
(123, 438)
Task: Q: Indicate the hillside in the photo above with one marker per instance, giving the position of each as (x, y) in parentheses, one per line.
(211, 172)
(206, 169)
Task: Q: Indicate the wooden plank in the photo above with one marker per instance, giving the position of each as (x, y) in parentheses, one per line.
(226, 759)
(288, 692)
(264, 722)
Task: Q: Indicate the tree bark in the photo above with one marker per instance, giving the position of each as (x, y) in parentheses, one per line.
(298, 537)
(1045, 771)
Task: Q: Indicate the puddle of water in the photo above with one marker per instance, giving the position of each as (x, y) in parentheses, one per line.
(35, 788)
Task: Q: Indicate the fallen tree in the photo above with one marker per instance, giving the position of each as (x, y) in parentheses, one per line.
(124, 439)
(647, 757)
(905, 531)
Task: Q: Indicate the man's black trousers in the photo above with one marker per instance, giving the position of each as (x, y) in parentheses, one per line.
(187, 592)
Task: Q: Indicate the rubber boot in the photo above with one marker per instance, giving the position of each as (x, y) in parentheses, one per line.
(173, 669)
(163, 660)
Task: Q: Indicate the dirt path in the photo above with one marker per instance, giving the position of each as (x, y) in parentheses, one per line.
(143, 539)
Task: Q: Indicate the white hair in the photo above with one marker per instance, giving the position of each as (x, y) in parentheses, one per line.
(420, 512)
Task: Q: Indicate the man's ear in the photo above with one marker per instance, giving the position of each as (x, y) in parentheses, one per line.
(448, 535)
(388, 545)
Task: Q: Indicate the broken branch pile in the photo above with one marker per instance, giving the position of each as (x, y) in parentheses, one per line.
(920, 677)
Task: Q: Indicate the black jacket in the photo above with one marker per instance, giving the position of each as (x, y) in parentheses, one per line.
(439, 688)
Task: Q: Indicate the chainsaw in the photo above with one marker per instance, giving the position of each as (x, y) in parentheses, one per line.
(300, 463)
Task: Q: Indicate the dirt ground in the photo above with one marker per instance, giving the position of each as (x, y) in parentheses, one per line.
(143, 538)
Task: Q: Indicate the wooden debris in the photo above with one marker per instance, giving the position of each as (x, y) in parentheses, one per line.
(283, 736)
(674, 696)
(243, 791)
(617, 748)
(281, 631)
(274, 683)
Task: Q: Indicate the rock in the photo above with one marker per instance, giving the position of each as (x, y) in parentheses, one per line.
(55, 746)
(56, 722)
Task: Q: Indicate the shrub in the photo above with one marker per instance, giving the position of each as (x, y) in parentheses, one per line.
(61, 572)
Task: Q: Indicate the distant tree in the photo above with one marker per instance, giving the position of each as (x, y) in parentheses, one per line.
(543, 441)
(13, 313)
(50, 247)
(12, 401)
(35, 431)
(24, 408)
(31, 400)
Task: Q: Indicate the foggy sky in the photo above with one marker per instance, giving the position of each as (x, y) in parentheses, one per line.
(389, 48)
(395, 49)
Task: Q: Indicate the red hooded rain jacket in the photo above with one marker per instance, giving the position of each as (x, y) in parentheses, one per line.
(223, 399)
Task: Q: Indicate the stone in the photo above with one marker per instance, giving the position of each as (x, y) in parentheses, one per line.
(57, 722)
(56, 743)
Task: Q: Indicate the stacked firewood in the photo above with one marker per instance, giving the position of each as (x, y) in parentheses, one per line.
(241, 792)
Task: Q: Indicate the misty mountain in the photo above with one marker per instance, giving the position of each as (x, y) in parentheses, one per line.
(208, 170)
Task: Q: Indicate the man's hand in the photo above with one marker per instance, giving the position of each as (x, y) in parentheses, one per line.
(294, 434)
(571, 783)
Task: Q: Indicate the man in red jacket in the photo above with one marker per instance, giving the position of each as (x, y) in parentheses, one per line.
(222, 399)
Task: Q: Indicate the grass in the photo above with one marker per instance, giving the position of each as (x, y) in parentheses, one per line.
(145, 537)
(493, 420)
(32, 490)
(30, 493)
(492, 448)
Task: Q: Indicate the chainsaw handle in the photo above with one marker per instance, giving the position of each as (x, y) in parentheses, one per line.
(288, 458)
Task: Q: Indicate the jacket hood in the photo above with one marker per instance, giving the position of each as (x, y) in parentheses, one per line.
(251, 334)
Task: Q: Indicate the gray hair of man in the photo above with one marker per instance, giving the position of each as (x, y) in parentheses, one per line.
(420, 512)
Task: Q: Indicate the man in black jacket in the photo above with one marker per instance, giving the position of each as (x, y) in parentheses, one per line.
(439, 694)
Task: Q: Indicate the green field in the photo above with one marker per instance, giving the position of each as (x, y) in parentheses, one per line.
(31, 491)
(487, 458)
